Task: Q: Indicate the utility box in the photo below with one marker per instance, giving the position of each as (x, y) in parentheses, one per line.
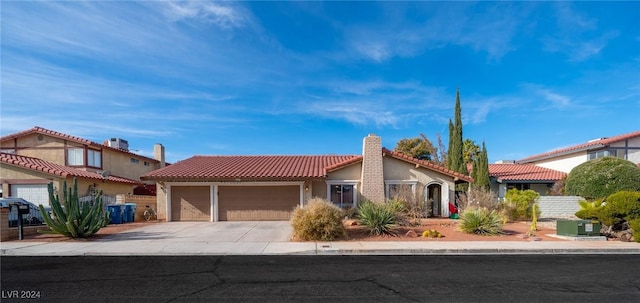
(578, 228)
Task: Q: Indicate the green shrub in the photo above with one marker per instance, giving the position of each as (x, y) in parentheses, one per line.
(319, 220)
(635, 227)
(602, 177)
(480, 221)
(590, 210)
(75, 220)
(625, 204)
(620, 207)
(379, 218)
(519, 204)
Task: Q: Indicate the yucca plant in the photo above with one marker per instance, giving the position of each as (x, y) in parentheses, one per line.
(74, 220)
(480, 221)
(379, 218)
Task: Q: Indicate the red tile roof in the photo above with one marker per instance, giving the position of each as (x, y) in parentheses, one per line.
(40, 165)
(44, 131)
(248, 167)
(524, 172)
(581, 147)
(426, 164)
(271, 167)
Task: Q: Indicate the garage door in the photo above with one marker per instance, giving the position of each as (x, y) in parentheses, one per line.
(190, 203)
(252, 203)
(34, 193)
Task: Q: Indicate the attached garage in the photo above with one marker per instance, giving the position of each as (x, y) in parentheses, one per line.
(190, 203)
(257, 203)
(34, 193)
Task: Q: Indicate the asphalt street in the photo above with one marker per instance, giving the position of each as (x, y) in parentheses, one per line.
(431, 278)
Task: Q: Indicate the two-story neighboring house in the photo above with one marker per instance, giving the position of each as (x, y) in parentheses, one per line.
(626, 146)
(31, 159)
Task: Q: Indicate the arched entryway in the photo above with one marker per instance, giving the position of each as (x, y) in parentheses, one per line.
(433, 198)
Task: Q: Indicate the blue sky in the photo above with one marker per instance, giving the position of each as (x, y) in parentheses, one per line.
(233, 78)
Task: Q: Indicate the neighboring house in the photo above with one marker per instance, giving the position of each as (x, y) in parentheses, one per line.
(31, 159)
(508, 175)
(227, 188)
(626, 146)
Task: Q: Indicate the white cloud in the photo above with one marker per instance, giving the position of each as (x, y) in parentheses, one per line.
(224, 16)
(555, 99)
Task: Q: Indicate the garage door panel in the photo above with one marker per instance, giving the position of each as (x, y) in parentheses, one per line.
(252, 203)
(190, 203)
(34, 193)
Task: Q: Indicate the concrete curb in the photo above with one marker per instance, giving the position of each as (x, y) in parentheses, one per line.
(569, 251)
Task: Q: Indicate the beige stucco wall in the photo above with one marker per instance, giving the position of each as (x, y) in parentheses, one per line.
(318, 189)
(120, 164)
(40, 146)
(563, 163)
(351, 172)
(161, 198)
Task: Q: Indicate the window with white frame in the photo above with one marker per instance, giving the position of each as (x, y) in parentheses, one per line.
(403, 189)
(604, 153)
(75, 156)
(94, 158)
(343, 194)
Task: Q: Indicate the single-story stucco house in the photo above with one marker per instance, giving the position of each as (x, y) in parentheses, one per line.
(227, 188)
(508, 175)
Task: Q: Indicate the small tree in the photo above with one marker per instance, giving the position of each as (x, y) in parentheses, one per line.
(602, 177)
(419, 148)
(520, 204)
(75, 220)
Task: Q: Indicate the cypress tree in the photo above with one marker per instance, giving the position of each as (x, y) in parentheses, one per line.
(481, 176)
(455, 157)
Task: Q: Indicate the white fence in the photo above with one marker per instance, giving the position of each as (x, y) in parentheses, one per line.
(559, 206)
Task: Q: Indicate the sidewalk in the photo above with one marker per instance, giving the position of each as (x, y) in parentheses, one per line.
(272, 238)
(176, 247)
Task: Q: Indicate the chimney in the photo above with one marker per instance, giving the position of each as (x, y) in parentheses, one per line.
(372, 173)
(158, 153)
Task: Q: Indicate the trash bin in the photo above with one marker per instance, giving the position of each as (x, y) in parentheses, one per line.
(130, 212)
(116, 214)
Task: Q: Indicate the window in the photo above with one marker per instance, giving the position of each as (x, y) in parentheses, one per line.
(603, 153)
(94, 158)
(146, 163)
(135, 161)
(343, 194)
(8, 151)
(75, 156)
(518, 186)
(403, 189)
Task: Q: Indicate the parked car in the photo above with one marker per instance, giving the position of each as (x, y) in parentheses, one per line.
(34, 217)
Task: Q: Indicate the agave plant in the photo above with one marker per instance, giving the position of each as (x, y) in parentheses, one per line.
(379, 218)
(73, 220)
(480, 221)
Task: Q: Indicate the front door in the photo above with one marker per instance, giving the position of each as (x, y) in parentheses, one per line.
(434, 199)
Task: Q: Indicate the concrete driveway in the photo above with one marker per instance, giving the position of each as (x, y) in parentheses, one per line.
(245, 231)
